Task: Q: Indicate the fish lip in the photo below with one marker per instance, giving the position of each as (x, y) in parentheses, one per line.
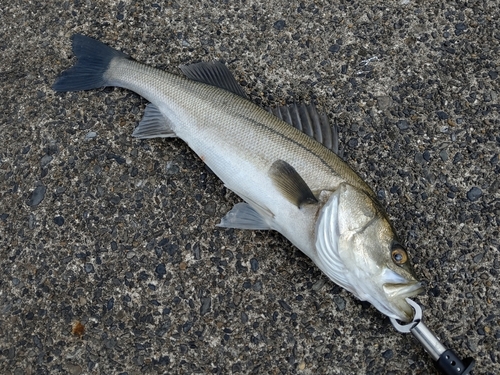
(403, 290)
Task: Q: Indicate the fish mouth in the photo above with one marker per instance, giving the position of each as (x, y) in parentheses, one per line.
(403, 290)
(398, 294)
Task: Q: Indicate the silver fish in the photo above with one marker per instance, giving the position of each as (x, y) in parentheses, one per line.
(289, 181)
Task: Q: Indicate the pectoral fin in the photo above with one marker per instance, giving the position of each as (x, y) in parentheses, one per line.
(153, 125)
(290, 184)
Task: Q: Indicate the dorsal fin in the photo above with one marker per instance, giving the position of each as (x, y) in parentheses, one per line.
(307, 119)
(301, 116)
(216, 74)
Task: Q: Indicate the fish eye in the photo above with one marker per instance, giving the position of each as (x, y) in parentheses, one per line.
(399, 256)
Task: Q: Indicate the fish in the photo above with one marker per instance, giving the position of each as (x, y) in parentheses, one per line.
(282, 163)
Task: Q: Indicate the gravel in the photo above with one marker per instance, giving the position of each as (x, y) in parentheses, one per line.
(118, 236)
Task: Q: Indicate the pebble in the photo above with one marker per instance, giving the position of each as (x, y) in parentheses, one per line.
(59, 220)
(279, 25)
(206, 303)
(284, 305)
(442, 115)
(334, 48)
(90, 135)
(45, 160)
(403, 125)
(210, 208)
(88, 267)
(388, 354)
(443, 154)
(254, 265)
(339, 302)
(161, 270)
(478, 258)
(474, 194)
(37, 196)
(384, 102)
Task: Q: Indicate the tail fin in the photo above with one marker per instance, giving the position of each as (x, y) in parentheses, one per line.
(89, 71)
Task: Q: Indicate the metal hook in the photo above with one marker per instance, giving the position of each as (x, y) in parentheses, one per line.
(406, 328)
(447, 360)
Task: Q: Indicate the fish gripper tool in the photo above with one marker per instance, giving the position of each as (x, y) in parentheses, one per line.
(446, 359)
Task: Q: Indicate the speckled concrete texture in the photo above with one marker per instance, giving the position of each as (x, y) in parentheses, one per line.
(111, 261)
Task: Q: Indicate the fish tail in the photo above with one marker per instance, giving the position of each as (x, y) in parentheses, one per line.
(89, 72)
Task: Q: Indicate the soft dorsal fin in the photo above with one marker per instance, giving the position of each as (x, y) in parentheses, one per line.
(291, 184)
(216, 74)
(307, 119)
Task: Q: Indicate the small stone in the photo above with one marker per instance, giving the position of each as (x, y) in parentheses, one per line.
(384, 102)
(426, 155)
(478, 258)
(474, 194)
(334, 48)
(443, 154)
(88, 267)
(161, 270)
(210, 208)
(59, 220)
(206, 303)
(37, 196)
(460, 28)
(340, 302)
(254, 264)
(442, 115)
(318, 285)
(279, 25)
(45, 160)
(284, 305)
(388, 354)
(493, 74)
(419, 158)
(182, 265)
(74, 369)
(301, 366)
(353, 142)
(403, 124)
(244, 317)
(90, 135)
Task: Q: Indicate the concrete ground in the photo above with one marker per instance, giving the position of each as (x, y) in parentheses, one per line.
(111, 261)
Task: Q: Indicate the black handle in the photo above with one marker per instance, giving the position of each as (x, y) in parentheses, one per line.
(450, 364)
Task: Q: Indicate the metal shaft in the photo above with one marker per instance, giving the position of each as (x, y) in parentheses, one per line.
(428, 340)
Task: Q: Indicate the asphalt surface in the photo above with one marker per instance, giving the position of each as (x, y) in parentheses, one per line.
(111, 261)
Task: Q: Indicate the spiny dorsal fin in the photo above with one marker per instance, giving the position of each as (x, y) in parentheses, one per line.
(216, 74)
(307, 119)
(290, 184)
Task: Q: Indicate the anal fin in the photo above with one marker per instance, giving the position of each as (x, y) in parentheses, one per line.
(153, 125)
(243, 216)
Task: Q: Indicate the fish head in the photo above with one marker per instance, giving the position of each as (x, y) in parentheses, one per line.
(357, 248)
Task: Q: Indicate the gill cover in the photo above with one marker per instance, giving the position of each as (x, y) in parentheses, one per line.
(353, 244)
